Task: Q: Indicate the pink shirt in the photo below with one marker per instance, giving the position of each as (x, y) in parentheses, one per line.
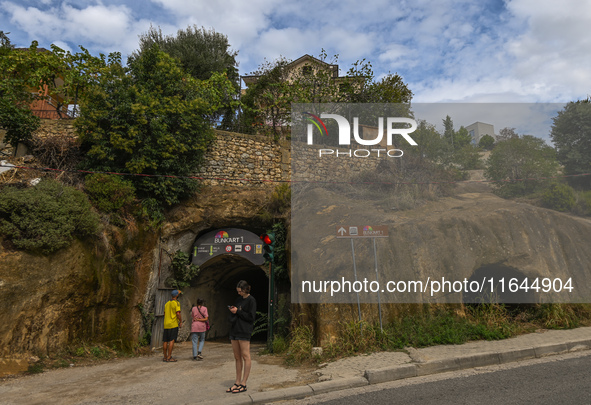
(198, 326)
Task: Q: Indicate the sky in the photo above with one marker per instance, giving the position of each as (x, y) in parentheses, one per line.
(462, 51)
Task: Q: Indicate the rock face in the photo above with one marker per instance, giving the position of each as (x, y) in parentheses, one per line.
(90, 291)
(86, 292)
(469, 236)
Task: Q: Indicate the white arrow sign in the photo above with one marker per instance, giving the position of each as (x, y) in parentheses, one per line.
(342, 231)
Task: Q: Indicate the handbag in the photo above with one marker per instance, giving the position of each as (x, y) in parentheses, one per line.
(206, 322)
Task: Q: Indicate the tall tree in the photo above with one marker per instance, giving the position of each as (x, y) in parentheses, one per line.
(462, 138)
(571, 134)
(279, 85)
(16, 116)
(448, 130)
(56, 74)
(429, 142)
(266, 104)
(201, 52)
(149, 118)
(507, 133)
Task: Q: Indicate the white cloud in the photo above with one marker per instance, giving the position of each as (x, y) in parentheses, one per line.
(108, 28)
(552, 57)
(240, 20)
(516, 50)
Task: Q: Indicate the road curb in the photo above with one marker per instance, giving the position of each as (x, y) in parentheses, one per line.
(381, 375)
(387, 374)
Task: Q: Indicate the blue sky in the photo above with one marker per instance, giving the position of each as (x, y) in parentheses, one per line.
(446, 50)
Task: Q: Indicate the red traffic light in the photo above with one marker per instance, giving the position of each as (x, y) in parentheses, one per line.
(268, 238)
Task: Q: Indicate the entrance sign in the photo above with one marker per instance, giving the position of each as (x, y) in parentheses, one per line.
(234, 241)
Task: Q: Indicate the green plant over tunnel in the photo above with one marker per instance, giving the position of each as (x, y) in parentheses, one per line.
(45, 217)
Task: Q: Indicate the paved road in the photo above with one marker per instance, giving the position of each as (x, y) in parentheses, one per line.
(564, 380)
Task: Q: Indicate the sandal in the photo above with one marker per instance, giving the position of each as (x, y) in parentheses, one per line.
(241, 388)
(232, 388)
(171, 360)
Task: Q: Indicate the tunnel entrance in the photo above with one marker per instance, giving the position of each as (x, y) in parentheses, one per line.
(225, 257)
(499, 286)
(216, 284)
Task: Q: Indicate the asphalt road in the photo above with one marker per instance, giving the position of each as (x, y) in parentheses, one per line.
(560, 381)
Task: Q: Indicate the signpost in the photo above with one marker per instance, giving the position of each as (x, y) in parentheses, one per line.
(360, 232)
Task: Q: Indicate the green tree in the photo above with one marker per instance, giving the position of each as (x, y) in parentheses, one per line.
(468, 157)
(201, 52)
(516, 163)
(150, 118)
(507, 133)
(267, 102)
(430, 145)
(16, 116)
(23, 71)
(462, 138)
(448, 130)
(571, 134)
(390, 89)
(487, 142)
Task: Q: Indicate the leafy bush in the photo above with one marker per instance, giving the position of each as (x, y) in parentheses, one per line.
(109, 192)
(487, 142)
(46, 217)
(584, 202)
(559, 197)
(521, 165)
(468, 158)
(183, 271)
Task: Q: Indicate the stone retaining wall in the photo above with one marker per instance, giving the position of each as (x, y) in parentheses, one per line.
(253, 160)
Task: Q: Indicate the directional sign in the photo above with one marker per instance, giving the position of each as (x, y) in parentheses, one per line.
(363, 231)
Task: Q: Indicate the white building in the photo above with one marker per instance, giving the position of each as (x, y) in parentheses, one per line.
(479, 129)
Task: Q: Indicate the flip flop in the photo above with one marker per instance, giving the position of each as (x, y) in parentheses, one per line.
(171, 360)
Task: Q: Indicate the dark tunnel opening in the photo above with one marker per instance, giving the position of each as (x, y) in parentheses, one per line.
(216, 284)
(500, 284)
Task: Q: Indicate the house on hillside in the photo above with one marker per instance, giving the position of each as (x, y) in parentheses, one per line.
(304, 66)
(308, 79)
(48, 102)
(479, 129)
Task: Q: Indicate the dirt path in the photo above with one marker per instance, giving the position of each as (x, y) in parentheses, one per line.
(148, 380)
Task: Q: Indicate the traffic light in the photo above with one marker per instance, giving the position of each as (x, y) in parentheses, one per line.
(269, 246)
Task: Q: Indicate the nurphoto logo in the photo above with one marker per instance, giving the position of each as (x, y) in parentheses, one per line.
(344, 134)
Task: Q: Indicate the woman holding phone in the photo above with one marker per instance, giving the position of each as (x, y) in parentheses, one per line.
(243, 313)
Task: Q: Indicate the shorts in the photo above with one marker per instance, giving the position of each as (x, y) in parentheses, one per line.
(239, 338)
(170, 334)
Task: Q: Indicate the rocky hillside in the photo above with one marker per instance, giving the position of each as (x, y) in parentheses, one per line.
(471, 235)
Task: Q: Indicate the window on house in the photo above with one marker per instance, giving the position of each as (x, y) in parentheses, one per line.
(307, 70)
